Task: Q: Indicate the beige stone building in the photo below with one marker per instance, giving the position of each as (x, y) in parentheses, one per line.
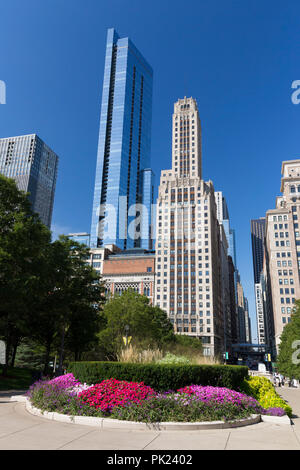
(282, 259)
(188, 247)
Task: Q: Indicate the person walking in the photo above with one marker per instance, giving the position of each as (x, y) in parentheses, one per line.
(279, 380)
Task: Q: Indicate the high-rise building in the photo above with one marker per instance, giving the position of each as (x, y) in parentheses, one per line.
(257, 239)
(188, 247)
(231, 268)
(124, 181)
(283, 249)
(33, 165)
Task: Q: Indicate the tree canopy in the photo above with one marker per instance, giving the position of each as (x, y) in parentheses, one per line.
(147, 324)
(288, 360)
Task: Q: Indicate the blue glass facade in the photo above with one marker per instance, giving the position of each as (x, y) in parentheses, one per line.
(147, 214)
(123, 146)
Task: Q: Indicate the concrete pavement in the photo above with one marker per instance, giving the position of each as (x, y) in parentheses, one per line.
(20, 430)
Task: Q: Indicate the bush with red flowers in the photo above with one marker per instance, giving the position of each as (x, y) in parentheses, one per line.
(111, 393)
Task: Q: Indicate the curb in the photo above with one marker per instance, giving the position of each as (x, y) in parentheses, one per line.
(276, 419)
(107, 423)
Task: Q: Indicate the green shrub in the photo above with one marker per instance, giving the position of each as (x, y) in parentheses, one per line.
(173, 359)
(161, 377)
(170, 408)
(264, 391)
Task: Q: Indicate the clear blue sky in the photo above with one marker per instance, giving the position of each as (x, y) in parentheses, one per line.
(237, 58)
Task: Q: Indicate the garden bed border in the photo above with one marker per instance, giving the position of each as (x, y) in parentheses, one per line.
(108, 423)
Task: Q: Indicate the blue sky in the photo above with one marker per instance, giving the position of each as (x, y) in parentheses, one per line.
(237, 58)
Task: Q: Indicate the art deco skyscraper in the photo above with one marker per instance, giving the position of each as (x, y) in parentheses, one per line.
(188, 272)
(33, 165)
(124, 181)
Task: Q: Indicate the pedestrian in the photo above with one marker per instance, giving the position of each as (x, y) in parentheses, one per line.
(279, 380)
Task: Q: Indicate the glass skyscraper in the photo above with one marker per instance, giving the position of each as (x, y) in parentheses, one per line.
(33, 165)
(123, 190)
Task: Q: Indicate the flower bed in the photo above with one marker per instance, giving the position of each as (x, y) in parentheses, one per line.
(135, 401)
(113, 393)
(264, 392)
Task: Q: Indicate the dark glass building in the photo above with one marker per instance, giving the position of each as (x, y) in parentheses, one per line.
(257, 238)
(124, 182)
(33, 165)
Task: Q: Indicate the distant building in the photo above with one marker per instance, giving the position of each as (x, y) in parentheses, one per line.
(123, 192)
(33, 166)
(257, 239)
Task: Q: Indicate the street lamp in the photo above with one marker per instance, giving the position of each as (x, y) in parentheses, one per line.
(126, 333)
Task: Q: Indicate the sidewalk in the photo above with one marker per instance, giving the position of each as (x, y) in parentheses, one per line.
(20, 430)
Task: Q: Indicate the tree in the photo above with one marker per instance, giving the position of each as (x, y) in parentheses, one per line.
(288, 360)
(148, 325)
(23, 238)
(69, 299)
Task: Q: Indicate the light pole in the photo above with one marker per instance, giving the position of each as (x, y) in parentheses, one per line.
(126, 333)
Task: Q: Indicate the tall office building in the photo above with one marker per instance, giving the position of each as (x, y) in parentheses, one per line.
(33, 165)
(124, 181)
(257, 239)
(282, 256)
(231, 263)
(223, 218)
(188, 248)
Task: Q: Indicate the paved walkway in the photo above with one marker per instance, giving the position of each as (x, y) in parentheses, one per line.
(20, 430)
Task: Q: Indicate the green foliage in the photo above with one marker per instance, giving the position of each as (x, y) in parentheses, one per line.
(160, 377)
(149, 326)
(54, 398)
(17, 378)
(162, 409)
(288, 359)
(48, 292)
(23, 238)
(263, 390)
(30, 355)
(173, 359)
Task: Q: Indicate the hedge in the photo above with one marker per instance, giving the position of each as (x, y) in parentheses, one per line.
(161, 377)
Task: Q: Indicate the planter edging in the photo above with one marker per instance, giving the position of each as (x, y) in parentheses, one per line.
(108, 423)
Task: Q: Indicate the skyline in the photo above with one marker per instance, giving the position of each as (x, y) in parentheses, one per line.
(242, 85)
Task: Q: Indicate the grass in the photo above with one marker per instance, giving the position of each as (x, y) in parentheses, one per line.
(17, 379)
(135, 354)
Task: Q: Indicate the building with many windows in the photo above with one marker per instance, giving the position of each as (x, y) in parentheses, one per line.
(131, 269)
(257, 240)
(33, 166)
(188, 246)
(282, 245)
(123, 192)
